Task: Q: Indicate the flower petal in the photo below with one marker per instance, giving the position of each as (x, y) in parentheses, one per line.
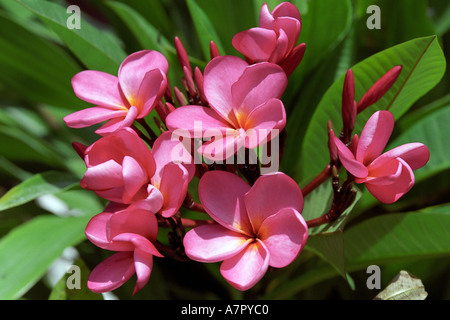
(164, 152)
(98, 88)
(219, 75)
(266, 119)
(392, 192)
(143, 264)
(415, 154)
(348, 160)
(173, 186)
(374, 136)
(222, 148)
(247, 267)
(150, 91)
(213, 243)
(135, 67)
(138, 221)
(222, 195)
(256, 44)
(134, 178)
(111, 273)
(284, 234)
(269, 194)
(194, 121)
(90, 116)
(96, 230)
(258, 83)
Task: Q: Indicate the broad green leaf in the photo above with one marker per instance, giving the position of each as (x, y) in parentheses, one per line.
(149, 37)
(61, 290)
(336, 22)
(205, 30)
(228, 18)
(404, 286)
(34, 187)
(327, 240)
(33, 68)
(98, 50)
(18, 145)
(398, 237)
(28, 250)
(423, 66)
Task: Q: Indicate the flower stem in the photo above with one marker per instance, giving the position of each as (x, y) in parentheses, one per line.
(317, 181)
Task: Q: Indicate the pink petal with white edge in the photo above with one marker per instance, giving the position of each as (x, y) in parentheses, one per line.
(219, 75)
(258, 83)
(247, 267)
(269, 194)
(257, 44)
(134, 68)
(284, 234)
(222, 195)
(194, 121)
(98, 88)
(111, 273)
(391, 193)
(348, 160)
(213, 243)
(90, 116)
(374, 136)
(173, 186)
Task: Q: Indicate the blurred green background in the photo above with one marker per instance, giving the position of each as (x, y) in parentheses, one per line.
(43, 211)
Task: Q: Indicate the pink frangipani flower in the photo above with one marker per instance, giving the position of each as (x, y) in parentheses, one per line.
(275, 38)
(131, 232)
(140, 84)
(257, 227)
(121, 168)
(246, 110)
(387, 176)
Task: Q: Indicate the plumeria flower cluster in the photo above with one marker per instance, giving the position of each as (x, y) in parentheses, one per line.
(209, 132)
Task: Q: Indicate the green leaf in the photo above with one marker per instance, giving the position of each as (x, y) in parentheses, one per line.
(423, 66)
(98, 50)
(398, 237)
(34, 69)
(328, 240)
(28, 250)
(148, 36)
(205, 30)
(404, 286)
(336, 22)
(61, 290)
(34, 187)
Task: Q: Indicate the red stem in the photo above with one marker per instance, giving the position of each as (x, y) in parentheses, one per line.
(317, 181)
